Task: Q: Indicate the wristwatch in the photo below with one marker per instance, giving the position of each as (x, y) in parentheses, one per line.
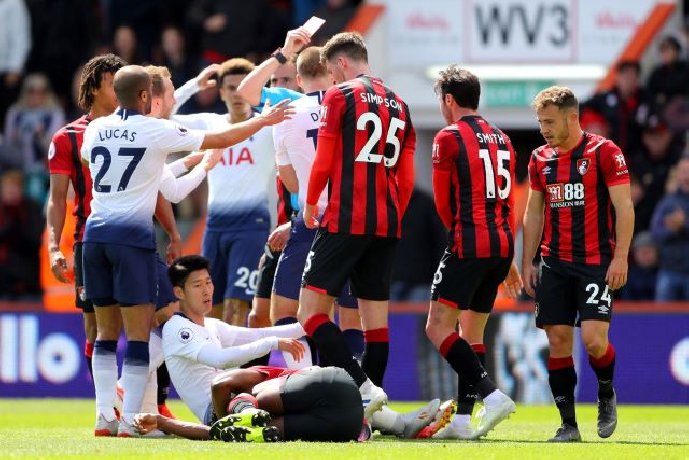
(277, 54)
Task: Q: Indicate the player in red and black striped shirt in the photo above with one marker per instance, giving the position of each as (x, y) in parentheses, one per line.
(580, 212)
(365, 155)
(473, 173)
(97, 97)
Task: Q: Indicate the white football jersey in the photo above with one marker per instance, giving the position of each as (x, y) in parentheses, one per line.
(240, 185)
(126, 152)
(295, 142)
(182, 341)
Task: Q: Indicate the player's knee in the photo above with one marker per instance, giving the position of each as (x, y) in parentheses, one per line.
(560, 344)
(253, 320)
(595, 346)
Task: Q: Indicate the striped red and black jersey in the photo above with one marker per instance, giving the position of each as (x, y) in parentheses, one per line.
(473, 175)
(373, 140)
(64, 158)
(579, 217)
(285, 208)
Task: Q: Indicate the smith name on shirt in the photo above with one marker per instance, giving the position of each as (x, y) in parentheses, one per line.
(490, 138)
(378, 99)
(106, 134)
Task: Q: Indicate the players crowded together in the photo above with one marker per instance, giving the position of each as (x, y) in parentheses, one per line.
(343, 146)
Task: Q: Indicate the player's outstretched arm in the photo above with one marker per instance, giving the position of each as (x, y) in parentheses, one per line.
(240, 131)
(251, 86)
(533, 229)
(145, 423)
(199, 83)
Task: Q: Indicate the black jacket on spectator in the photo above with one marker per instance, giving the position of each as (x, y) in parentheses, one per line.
(622, 116)
(641, 284)
(667, 81)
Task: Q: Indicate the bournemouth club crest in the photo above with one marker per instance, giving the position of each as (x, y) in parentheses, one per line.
(583, 165)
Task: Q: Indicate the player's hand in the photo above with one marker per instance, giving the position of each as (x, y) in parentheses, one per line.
(278, 239)
(58, 264)
(205, 75)
(294, 42)
(310, 219)
(144, 423)
(193, 159)
(275, 114)
(530, 278)
(174, 249)
(616, 277)
(292, 346)
(513, 283)
(211, 158)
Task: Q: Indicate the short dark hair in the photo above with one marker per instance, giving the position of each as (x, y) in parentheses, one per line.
(183, 266)
(628, 64)
(92, 76)
(559, 96)
(463, 85)
(235, 66)
(351, 44)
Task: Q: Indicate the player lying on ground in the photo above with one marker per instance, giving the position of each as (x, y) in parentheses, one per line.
(312, 404)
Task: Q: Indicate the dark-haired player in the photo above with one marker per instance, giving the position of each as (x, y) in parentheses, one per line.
(580, 211)
(473, 174)
(365, 155)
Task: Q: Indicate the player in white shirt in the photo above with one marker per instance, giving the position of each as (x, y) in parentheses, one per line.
(239, 189)
(198, 349)
(126, 153)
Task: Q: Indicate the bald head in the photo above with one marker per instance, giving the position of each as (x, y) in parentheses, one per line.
(133, 88)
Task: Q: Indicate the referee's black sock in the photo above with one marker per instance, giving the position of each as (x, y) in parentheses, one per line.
(375, 359)
(466, 397)
(563, 379)
(604, 367)
(331, 342)
(464, 361)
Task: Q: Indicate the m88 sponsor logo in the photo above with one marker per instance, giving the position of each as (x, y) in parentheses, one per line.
(565, 195)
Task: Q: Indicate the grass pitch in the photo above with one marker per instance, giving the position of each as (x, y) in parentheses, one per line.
(61, 428)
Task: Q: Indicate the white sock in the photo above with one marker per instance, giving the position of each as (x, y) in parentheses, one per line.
(387, 419)
(150, 403)
(461, 419)
(306, 361)
(366, 387)
(134, 383)
(104, 381)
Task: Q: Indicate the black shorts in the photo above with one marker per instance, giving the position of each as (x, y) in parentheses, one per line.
(469, 284)
(81, 302)
(321, 404)
(569, 293)
(266, 274)
(366, 260)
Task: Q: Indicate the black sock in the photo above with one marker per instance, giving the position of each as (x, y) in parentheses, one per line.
(466, 393)
(563, 379)
(464, 361)
(604, 367)
(355, 340)
(163, 384)
(330, 341)
(375, 359)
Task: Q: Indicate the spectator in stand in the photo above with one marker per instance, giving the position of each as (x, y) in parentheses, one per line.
(65, 34)
(419, 251)
(175, 58)
(669, 78)
(643, 272)
(21, 224)
(15, 43)
(232, 28)
(623, 106)
(337, 13)
(29, 126)
(670, 228)
(651, 165)
(125, 46)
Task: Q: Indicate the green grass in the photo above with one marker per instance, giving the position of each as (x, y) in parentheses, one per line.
(59, 428)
